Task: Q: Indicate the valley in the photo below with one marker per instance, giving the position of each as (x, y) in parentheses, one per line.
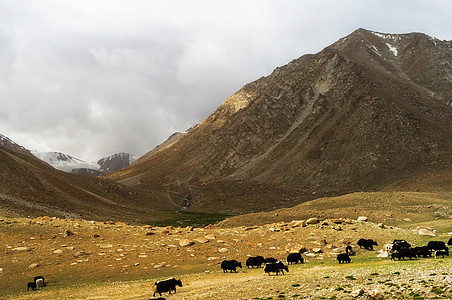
(83, 259)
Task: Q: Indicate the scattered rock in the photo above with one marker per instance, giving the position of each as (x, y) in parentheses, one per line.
(210, 237)
(202, 240)
(149, 233)
(67, 232)
(317, 250)
(96, 235)
(375, 294)
(223, 250)
(295, 224)
(251, 228)
(357, 293)
(322, 242)
(81, 253)
(362, 219)
(407, 220)
(312, 221)
(185, 242)
(20, 249)
(58, 251)
(188, 229)
(33, 266)
(424, 231)
(295, 248)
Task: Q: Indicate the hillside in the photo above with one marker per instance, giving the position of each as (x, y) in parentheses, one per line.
(30, 187)
(365, 112)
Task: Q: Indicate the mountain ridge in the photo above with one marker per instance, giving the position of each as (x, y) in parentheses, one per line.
(345, 119)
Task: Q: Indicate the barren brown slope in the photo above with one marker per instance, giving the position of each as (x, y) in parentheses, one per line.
(353, 117)
(29, 187)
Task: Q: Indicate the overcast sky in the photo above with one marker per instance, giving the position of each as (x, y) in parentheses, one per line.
(91, 78)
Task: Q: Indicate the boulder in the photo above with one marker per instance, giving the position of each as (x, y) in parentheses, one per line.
(312, 221)
(202, 240)
(185, 242)
(251, 228)
(295, 248)
(357, 293)
(424, 231)
(19, 249)
(33, 266)
(375, 294)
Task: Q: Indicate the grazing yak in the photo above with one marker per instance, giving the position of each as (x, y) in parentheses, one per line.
(255, 261)
(230, 265)
(270, 260)
(423, 251)
(437, 245)
(398, 245)
(344, 257)
(32, 286)
(402, 253)
(294, 258)
(441, 253)
(449, 243)
(166, 286)
(367, 244)
(275, 268)
(39, 280)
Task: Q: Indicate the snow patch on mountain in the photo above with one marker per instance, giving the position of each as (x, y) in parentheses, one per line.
(392, 48)
(64, 162)
(71, 164)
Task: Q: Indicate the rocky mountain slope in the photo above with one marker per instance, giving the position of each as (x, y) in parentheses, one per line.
(367, 111)
(7, 143)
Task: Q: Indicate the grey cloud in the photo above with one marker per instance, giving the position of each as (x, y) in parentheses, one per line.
(91, 78)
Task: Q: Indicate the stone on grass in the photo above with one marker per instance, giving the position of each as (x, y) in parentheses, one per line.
(362, 219)
(424, 231)
(20, 249)
(375, 294)
(312, 221)
(33, 266)
(185, 242)
(357, 293)
(202, 240)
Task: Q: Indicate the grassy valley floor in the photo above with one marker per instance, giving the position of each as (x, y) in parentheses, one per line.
(95, 260)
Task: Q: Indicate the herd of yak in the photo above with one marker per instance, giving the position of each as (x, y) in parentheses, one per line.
(399, 249)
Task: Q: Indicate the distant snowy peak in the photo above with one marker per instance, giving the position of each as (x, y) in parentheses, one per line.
(103, 166)
(64, 162)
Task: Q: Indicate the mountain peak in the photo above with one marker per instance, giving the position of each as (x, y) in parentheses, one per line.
(363, 112)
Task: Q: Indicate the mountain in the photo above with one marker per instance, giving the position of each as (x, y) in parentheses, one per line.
(31, 187)
(7, 143)
(103, 166)
(363, 113)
